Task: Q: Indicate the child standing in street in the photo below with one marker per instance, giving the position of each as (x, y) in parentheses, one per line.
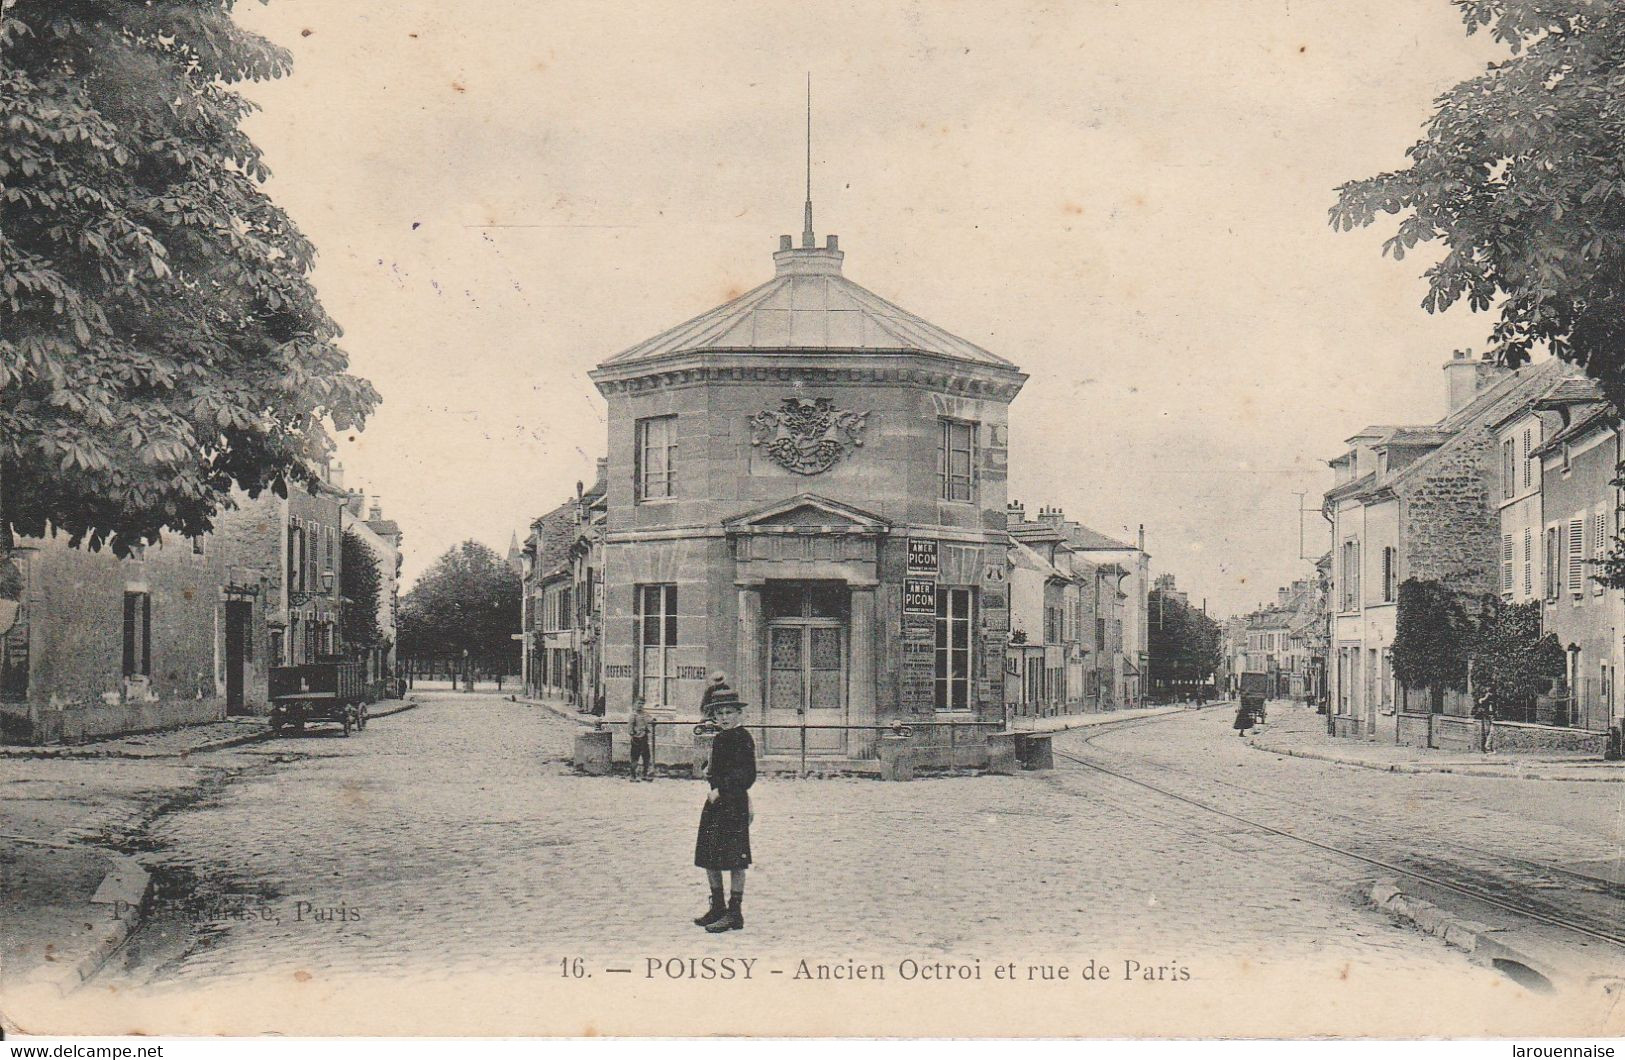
(641, 727)
(723, 844)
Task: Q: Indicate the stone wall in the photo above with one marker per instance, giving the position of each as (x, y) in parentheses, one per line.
(1343, 725)
(1450, 531)
(1512, 736)
(73, 619)
(1412, 730)
(80, 723)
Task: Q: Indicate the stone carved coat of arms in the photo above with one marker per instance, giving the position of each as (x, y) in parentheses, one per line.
(807, 437)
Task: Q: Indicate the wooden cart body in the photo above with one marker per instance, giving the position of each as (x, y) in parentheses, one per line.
(322, 691)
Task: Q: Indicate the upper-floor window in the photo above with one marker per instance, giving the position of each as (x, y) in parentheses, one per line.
(1528, 465)
(296, 556)
(1528, 562)
(1509, 468)
(1577, 556)
(656, 474)
(1599, 549)
(1350, 576)
(1390, 575)
(1554, 565)
(956, 459)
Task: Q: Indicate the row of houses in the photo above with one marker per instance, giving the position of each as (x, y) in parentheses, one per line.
(1285, 639)
(805, 488)
(1511, 494)
(183, 631)
(1078, 637)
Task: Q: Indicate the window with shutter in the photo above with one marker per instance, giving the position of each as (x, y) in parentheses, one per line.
(1577, 553)
(1527, 463)
(1528, 558)
(1599, 549)
(1509, 475)
(1506, 563)
(1553, 565)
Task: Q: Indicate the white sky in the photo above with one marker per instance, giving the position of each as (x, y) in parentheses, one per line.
(1126, 199)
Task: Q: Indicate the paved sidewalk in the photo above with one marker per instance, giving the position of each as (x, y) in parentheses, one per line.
(169, 743)
(567, 711)
(1079, 721)
(1297, 731)
(181, 742)
(64, 909)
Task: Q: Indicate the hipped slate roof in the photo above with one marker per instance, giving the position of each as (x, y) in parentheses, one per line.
(809, 305)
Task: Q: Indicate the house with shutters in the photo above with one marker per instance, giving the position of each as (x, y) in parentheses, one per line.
(1579, 513)
(1422, 502)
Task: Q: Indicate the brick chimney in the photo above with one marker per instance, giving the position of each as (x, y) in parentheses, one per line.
(1015, 513)
(1466, 375)
(1051, 517)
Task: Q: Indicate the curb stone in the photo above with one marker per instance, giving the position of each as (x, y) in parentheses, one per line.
(255, 734)
(126, 881)
(1486, 944)
(1465, 769)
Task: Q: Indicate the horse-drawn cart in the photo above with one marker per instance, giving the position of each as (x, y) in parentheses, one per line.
(323, 691)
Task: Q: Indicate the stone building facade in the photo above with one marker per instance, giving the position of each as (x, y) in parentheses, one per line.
(1580, 509)
(382, 538)
(181, 632)
(805, 489)
(1416, 502)
(102, 645)
(282, 559)
(1101, 623)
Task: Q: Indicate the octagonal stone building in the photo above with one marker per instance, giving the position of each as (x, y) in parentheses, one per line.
(806, 491)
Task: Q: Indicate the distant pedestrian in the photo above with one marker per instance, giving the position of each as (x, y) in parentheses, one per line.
(717, 686)
(1244, 719)
(723, 843)
(641, 728)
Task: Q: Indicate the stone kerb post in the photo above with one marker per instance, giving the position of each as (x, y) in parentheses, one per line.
(1001, 753)
(896, 753)
(593, 752)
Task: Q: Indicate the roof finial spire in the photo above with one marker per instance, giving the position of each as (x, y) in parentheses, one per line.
(807, 237)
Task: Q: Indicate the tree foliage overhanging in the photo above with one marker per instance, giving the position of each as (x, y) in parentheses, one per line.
(1520, 176)
(468, 601)
(160, 340)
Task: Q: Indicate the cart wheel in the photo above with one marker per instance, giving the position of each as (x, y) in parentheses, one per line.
(361, 717)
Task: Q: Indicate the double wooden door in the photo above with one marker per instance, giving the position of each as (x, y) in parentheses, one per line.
(806, 685)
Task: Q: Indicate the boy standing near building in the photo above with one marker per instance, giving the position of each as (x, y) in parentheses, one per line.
(641, 727)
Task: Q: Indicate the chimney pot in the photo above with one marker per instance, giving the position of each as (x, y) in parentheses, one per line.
(784, 243)
(833, 242)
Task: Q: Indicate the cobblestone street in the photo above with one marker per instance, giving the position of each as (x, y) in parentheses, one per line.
(454, 843)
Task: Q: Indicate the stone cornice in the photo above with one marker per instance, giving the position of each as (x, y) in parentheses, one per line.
(862, 368)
